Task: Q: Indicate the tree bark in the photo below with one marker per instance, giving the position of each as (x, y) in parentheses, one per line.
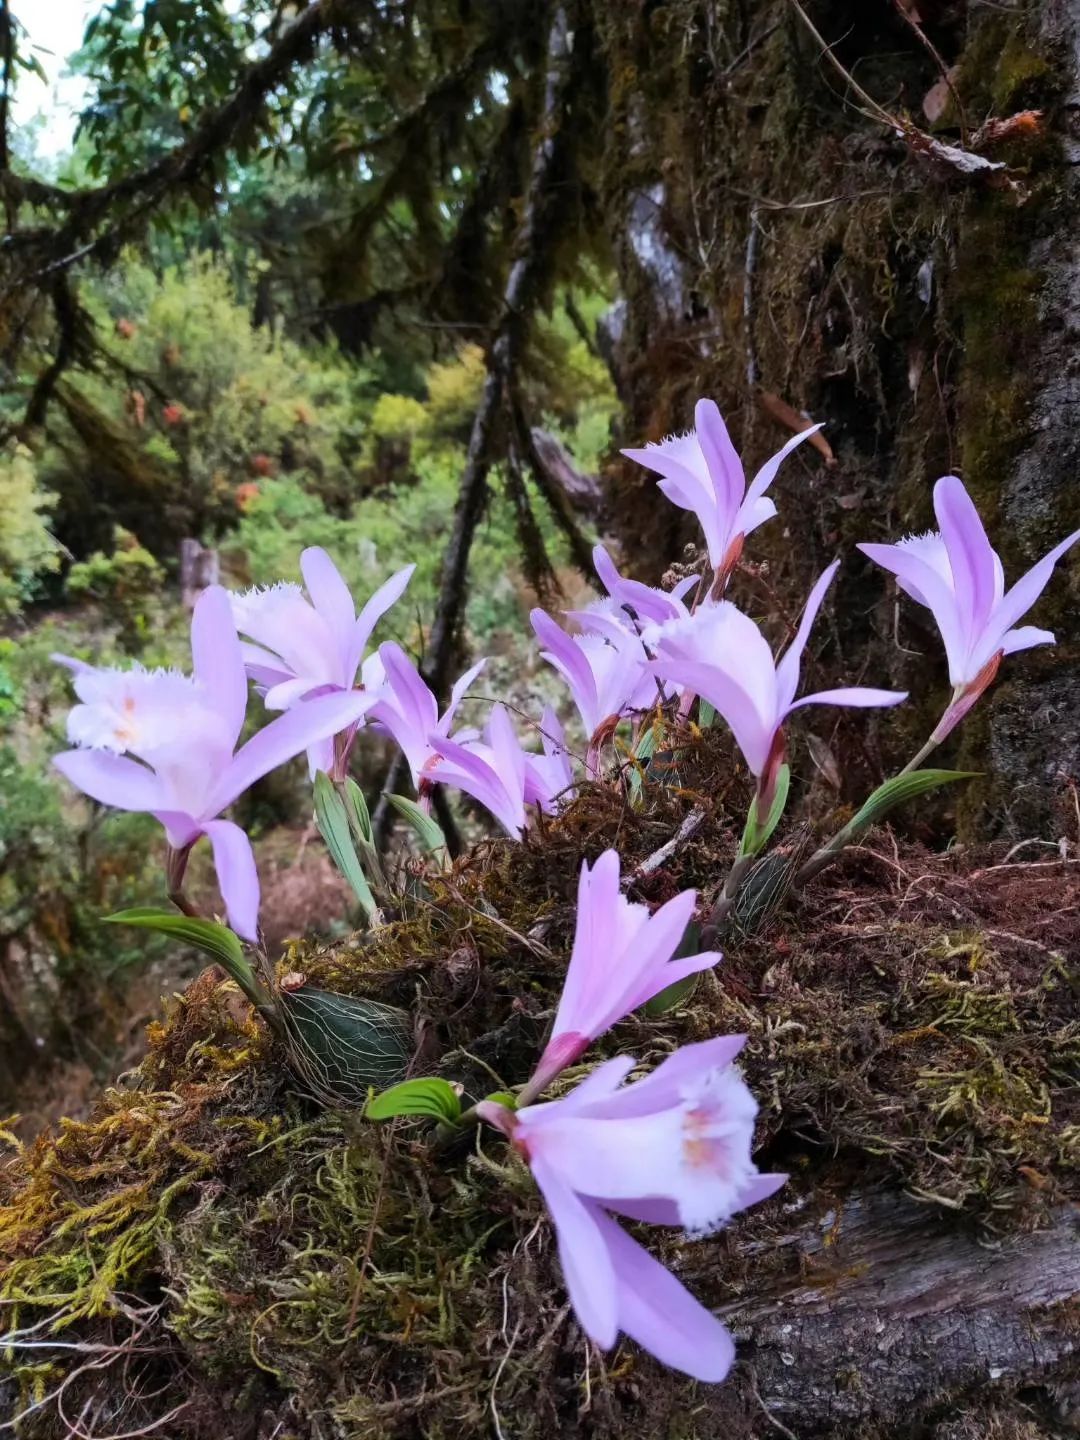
(775, 237)
(884, 1312)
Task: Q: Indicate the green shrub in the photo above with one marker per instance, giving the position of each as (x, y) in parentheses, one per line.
(127, 584)
(27, 549)
(203, 410)
(384, 531)
(454, 388)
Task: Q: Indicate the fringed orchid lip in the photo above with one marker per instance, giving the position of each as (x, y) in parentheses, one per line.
(673, 1148)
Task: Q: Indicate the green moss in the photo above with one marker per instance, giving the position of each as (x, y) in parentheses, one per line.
(311, 1263)
(1021, 77)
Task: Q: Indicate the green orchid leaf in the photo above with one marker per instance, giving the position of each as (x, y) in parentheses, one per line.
(900, 789)
(436, 1099)
(333, 822)
(217, 941)
(756, 834)
(427, 830)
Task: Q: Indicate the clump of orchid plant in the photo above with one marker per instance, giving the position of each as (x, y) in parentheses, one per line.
(675, 1146)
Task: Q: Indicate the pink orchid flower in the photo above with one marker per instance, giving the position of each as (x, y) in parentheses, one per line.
(605, 670)
(621, 959)
(671, 1149)
(408, 709)
(308, 645)
(182, 732)
(702, 472)
(635, 600)
(956, 573)
(492, 770)
(721, 655)
(550, 774)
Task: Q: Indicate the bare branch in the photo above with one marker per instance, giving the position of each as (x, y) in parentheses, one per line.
(501, 355)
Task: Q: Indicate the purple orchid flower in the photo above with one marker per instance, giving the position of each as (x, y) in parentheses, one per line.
(182, 731)
(635, 600)
(408, 709)
(702, 472)
(313, 644)
(671, 1149)
(549, 774)
(620, 960)
(720, 654)
(605, 670)
(956, 573)
(492, 770)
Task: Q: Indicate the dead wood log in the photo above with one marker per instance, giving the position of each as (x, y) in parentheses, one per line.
(884, 1311)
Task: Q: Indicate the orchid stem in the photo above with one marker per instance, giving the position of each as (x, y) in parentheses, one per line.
(185, 906)
(851, 832)
(917, 759)
(827, 854)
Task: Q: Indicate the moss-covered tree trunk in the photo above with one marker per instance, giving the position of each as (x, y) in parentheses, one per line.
(776, 239)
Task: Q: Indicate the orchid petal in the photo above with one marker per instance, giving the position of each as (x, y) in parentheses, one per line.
(468, 771)
(329, 593)
(929, 588)
(768, 472)
(661, 460)
(509, 755)
(753, 733)
(264, 667)
(285, 738)
(565, 655)
(1022, 596)
(238, 878)
(180, 828)
(217, 659)
(598, 1085)
(606, 570)
(112, 779)
(598, 900)
(671, 972)
(662, 1086)
(654, 945)
(412, 694)
(656, 1309)
(585, 1258)
(457, 694)
(649, 1209)
(721, 459)
(77, 667)
(862, 697)
(387, 595)
(1024, 637)
(787, 669)
(754, 515)
(288, 692)
(971, 556)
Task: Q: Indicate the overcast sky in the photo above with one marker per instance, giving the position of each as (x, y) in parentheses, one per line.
(56, 29)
